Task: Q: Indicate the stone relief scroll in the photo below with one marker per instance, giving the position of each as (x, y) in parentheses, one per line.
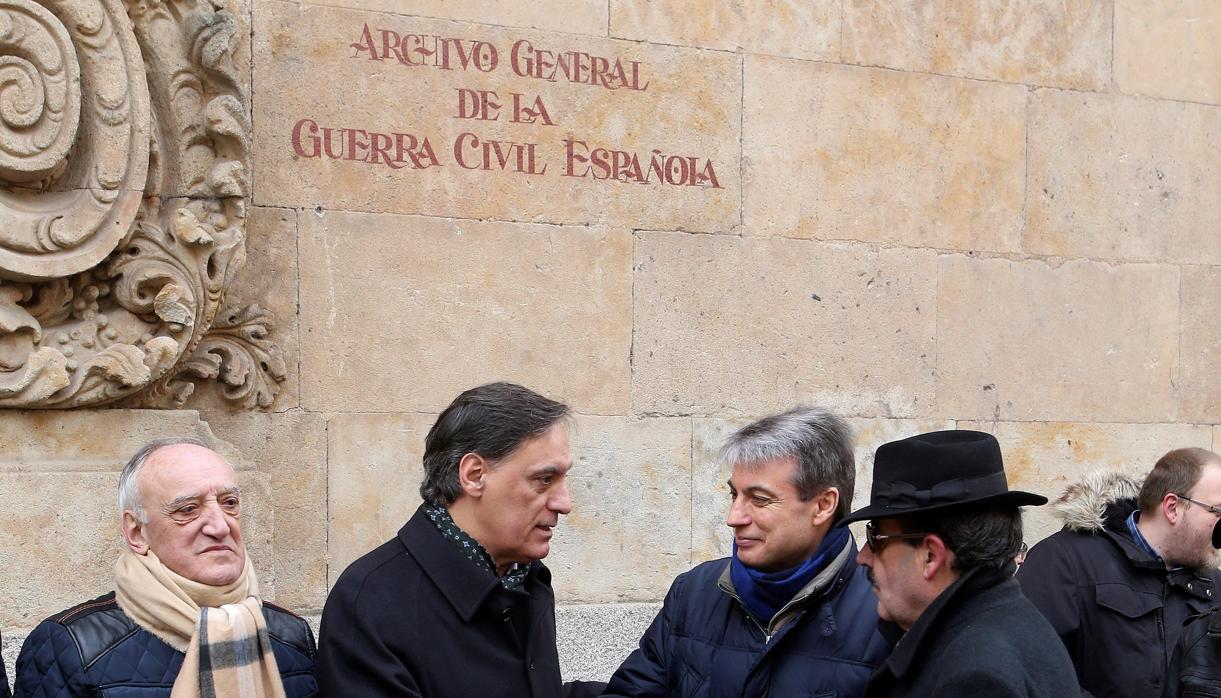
(124, 160)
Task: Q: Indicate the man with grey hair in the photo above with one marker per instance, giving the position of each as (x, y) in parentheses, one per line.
(186, 618)
(789, 613)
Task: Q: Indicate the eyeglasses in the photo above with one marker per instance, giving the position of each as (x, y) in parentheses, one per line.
(874, 539)
(1209, 507)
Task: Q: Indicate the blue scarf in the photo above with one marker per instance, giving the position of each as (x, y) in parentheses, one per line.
(765, 593)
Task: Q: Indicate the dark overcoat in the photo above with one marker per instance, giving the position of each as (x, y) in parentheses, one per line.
(96, 650)
(1195, 667)
(1116, 608)
(703, 644)
(415, 618)
(979, 638)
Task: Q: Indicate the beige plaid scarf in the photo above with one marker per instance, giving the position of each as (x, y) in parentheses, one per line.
(220, 628)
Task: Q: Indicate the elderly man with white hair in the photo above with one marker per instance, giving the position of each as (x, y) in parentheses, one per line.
(185, 619)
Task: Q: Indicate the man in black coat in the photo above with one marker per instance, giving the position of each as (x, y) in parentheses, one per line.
(458, 604)
(1128, 569)
(1195, 668)
(943, 531)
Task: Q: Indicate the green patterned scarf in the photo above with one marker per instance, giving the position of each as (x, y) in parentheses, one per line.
(515, 580)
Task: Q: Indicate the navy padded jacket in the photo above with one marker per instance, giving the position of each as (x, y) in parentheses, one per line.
(95, 650)
(703, 644)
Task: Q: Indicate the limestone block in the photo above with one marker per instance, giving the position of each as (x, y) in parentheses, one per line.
(575, 16)
(1037, 42)
(654, 141)
(1123, 178)
(629, 533)
(710, 537)
(791, 28)
(1046, 457)
(10, 647)
(291, 448)
(403, 313)
(268, 281)
(83, 441)
(1200, 371)
(1169, 49)
(594, 639)
(840, 152)
(374, 474)
(1084, 341)
(727, 326)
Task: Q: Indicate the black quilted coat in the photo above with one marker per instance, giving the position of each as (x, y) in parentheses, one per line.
(96, 650)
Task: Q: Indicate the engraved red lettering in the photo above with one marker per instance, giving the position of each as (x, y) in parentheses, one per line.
(312, 138)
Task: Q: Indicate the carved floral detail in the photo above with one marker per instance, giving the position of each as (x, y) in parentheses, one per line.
(124, 143)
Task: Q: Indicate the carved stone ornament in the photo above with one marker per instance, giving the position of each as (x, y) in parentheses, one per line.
(124, 150)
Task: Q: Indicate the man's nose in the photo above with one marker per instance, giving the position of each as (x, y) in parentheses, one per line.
(865, 556)
(216, 524)
(737, 515)
(561, 500)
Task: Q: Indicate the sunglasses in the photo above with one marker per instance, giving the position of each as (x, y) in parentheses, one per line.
(875, 540)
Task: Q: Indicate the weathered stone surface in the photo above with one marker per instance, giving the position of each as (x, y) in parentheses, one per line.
(728, 326)
(88, 440)
(1169, 49)
(629, 533)
(576, 16)
(710, 537)
(374, 477)
(1025, 340)
(268, 281)
(877, 155)
(1123, 178)
(1199, 380)
(402, 313)
(594, 639)
(791, 28)
(1046, 457)
(291, 449)
(687, 105)
(1037, 42)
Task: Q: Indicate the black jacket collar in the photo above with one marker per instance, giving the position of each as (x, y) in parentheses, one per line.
(945, 611)
(1194, 582)
(464, 585)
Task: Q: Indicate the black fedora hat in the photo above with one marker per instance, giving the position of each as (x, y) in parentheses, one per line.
(936, 471)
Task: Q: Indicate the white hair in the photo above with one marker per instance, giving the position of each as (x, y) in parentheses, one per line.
(129, 479)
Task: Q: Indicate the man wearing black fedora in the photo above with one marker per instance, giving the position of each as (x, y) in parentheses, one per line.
(942, 534)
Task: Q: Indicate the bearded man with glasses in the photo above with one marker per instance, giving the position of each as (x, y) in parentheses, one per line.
(1129, 569)
(943, 534)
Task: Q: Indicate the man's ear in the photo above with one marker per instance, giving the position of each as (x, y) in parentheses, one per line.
(936, 557)
(133, 534)
(1170, 508)
(471, 471)
(825, 505)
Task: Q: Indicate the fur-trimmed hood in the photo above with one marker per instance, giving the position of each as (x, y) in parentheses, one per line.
(1084, 504)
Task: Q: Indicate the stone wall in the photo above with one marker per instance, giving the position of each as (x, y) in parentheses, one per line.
(993, 215)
